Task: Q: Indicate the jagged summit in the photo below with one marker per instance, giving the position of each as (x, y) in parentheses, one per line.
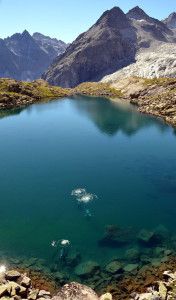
(25, 57)
(114, 17)
(137, 13)
(171, 21)
(26, 33)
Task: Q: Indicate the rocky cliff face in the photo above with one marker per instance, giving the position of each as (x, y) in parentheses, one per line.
(109, 45)
(51, 46)
(25, 57)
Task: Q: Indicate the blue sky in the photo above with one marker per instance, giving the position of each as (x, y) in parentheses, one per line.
(65, 19)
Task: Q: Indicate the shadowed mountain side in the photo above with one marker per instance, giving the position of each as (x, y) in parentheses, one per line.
(108, 45)
(113, 117)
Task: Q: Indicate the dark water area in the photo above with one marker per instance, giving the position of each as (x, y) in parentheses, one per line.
(126, 159)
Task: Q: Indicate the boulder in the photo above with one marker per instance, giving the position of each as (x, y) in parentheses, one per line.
(3, 290)
(12, 275)
(87, 269)
(44, 294)
(162, 290)
(130, 267)
(26, 281)
(75, 291)
(106, 296)
(33, 294)
(16, 289)
(114, 267)
(132, 255)
(145, 236)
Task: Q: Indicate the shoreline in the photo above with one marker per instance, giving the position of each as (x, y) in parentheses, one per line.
(158, 281)
(156, 97)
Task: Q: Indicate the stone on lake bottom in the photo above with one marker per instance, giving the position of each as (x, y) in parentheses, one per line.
(87, 269)
(130, 267)
(113, 267)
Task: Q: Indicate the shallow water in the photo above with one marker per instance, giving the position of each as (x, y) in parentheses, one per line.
(127, 159)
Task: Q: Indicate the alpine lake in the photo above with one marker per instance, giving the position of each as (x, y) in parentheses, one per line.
(87, 185)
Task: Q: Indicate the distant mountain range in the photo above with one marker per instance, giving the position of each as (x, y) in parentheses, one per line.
(26, 57)
(109, 45)
(117, 40)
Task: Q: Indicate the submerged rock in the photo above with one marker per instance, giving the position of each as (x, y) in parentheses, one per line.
(132, 254)
(145, 236)
(76, 291)
(114, 267)
(131, 267)
(73, 259)
(87, 269)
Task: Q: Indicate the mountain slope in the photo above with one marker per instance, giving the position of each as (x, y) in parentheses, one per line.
(51, 46)
(160, 62)
(27, 57)
(8, 63)
(109, 45)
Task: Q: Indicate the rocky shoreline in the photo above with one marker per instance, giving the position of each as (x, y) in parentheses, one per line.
(149, 284)
(15, 285)
(152, 96)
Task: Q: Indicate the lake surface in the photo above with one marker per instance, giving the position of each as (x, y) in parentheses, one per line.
(128, 160)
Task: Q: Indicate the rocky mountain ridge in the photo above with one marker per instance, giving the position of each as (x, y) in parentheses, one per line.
(171, 21)
(26, 57)
(109, 45)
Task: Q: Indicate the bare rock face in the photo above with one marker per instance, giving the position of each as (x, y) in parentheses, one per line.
(171, 21)
(76, 291)
(26, 57)
(109, 45)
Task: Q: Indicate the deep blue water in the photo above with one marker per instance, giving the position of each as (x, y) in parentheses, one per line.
(46, 150)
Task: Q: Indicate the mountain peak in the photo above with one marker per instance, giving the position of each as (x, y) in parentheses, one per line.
(171, 20)
(114, 17)
(25, 33)
(137, 13)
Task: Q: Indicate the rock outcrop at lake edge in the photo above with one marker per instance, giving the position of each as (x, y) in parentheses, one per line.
(16, 94)
(152, 96)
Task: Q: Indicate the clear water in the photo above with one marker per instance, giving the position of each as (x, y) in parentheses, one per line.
(46, 150)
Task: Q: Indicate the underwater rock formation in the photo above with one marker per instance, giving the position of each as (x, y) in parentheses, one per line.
(87, 269)
(115, 236)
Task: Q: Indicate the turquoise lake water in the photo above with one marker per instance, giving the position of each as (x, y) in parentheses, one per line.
(49, 149)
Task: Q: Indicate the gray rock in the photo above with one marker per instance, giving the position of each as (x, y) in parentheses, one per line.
(132, 254)
(87, 269)
(130, 267)
(114, 267)
(76, 291)
(145, 236)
